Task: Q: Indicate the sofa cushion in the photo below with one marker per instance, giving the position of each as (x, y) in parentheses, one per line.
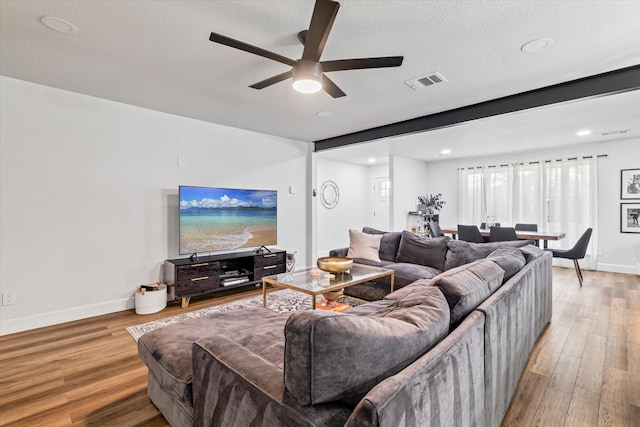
(167, 351)
(461, 252)
(407, 290)
(381, 263)
(510, 260)
(531, 252)
(406, 273)
(333, 356)
(389, 243)
(370, 291)
(467, 286)
(424, 251)
(363, 245)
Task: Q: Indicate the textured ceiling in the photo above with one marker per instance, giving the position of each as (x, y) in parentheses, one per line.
(156, 54)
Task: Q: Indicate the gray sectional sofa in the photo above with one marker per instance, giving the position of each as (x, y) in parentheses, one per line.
(439, 351)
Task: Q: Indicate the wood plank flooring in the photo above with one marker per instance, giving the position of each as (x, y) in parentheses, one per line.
(583, 371)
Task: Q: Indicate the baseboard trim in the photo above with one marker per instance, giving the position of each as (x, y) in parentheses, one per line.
(616, 268)
(612, 268)
(51, 318)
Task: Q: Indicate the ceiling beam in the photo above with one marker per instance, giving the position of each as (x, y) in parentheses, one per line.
(621, 80)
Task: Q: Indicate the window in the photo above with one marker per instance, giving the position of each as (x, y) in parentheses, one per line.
(384, 188)
(557, 195)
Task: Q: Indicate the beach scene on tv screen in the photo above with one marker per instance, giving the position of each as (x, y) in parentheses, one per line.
(213, 219)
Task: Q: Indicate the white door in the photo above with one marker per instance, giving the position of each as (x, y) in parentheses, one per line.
(381, 190)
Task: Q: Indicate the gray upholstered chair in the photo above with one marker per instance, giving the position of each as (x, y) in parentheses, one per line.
(526, 227)
(577, 252)
(469, 233)
(502, 234)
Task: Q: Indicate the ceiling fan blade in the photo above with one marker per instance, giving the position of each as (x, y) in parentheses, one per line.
(227, 41)
(331, 88)
(272, 80)
(358, 64)
(324, 13)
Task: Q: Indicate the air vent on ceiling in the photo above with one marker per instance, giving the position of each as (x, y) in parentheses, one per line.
(424, 81)
(616, 132)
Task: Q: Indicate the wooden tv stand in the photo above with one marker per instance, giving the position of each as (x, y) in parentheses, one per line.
(213, 273)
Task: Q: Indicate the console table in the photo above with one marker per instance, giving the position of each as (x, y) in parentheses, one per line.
(186, 277)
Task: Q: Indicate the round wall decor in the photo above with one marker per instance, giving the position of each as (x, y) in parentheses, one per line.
(329, 194)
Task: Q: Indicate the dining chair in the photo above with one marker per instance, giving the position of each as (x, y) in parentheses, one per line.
(502, 234)
(483, 225)
(528, 227)
(469, 233)
(577, 252)
(434, 229)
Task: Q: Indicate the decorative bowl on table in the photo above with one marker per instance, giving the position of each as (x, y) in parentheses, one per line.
(334, 264)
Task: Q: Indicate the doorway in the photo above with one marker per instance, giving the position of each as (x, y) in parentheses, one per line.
(381, 192)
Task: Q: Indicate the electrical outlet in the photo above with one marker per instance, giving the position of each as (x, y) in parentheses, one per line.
(181, 162)
(9, 298)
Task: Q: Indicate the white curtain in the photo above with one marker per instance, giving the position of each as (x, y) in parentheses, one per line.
(558, 195)
(470, 196)
(572, 203)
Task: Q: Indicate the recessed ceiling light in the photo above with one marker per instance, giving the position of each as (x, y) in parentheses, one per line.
(59, 24)
(323, 113)
(445, 152)
(584, 132)
(536, 45)
(372, 160)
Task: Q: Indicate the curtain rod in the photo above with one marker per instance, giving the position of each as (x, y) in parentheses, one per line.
(533, 162)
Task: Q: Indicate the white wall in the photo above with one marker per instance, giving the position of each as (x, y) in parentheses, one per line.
(354, 207)
(89, 196)
(620, 252)
(408, 180)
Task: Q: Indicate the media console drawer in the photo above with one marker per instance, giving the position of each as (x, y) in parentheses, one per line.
(269, 259)
(196, 278)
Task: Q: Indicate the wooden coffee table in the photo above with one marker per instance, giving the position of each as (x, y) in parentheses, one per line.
(315, 282)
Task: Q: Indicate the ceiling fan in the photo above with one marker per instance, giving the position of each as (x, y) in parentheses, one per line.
(308, 72)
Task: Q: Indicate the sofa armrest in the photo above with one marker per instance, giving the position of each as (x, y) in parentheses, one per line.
(232, 386)
(444, 387)
(342, 252)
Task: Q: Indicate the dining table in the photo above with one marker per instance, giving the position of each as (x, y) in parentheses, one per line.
(545, 236)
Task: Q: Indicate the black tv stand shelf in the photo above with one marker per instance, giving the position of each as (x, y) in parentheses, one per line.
(188, 277)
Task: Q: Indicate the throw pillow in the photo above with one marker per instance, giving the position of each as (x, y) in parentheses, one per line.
(531, 252)
(363, 245)
(467, 286)
(510, 260)
(331, 356)
(423, 251)
(389, 243)
(461, 252)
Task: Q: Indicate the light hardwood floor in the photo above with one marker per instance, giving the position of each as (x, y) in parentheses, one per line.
(583, 371)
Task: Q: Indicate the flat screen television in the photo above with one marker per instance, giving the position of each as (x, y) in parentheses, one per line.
(215, 219)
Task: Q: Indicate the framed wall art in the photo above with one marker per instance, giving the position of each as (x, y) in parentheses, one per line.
(629, 213)
(630, 184)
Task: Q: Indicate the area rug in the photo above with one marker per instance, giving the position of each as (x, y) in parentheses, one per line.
(284, 301)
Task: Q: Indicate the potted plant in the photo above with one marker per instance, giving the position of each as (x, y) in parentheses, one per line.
(430, 204)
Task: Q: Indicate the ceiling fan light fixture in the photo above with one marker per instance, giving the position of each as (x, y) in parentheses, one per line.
(307, 76)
